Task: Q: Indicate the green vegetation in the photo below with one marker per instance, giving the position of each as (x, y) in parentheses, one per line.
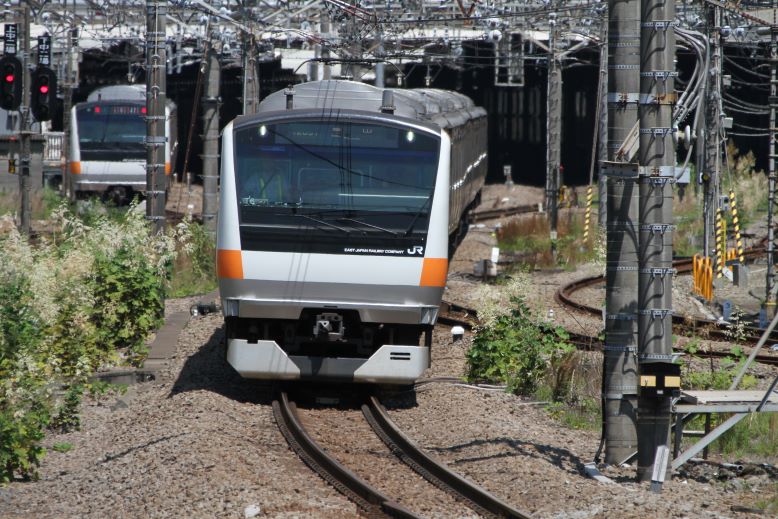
(84, 298)
(750, 187)
(62, 447)
(585, 415)
(194, 270)
(42, 203)
(770, 504)
(533, 358)
(757, 434)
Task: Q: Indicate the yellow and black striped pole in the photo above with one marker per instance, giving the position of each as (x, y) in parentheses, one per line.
(721, 243)
(588, 214)
(736, 225)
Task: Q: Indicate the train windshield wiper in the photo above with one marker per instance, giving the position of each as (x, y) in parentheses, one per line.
(416, 216)
(323, 222)
(393, 233)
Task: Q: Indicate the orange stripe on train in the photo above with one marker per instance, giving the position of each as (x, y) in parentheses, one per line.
(434, 272)
(229, 264)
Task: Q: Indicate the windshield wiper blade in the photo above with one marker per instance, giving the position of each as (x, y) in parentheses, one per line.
(416, 216)
(320, 221)
(393, 233)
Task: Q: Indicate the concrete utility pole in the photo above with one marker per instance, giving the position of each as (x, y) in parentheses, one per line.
(324, 29)
(621, 380)
(772, 173)
(380, 68)
(602, 125)
(69, 84)
(24, 111)
(210, 156)
(156, 178)
(250, 82)
(656, 157)
(711, 172)
(553, 132)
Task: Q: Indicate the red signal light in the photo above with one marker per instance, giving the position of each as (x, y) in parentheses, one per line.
(143, 109)
(44, 89)
(97, 109)
(9, 78)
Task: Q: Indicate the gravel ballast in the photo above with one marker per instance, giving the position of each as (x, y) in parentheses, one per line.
(200, 442)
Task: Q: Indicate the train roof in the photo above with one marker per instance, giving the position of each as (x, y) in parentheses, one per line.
(441, 107)
(121, 93)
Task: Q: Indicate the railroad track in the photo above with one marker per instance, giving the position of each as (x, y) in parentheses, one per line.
(681, 324)
(492, 214)
(455, 315)
(373, 502)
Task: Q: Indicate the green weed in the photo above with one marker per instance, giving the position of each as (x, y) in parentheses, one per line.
(194, 270)
(84, 299)
(517, 350)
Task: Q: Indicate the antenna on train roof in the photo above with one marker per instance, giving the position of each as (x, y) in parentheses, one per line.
(387, 102)
(289, 92)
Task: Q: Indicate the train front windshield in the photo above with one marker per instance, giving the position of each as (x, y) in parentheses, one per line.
(111, 131)
(348, 174)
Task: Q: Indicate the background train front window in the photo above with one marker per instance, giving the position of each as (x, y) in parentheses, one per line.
(354, 167)
(111, 131)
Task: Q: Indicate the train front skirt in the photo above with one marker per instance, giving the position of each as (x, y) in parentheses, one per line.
(390, 364)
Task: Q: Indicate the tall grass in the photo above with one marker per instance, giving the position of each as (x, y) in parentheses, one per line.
(194, 269)
(739, 175)
(81, 298)
(43, 202)
(528, 237)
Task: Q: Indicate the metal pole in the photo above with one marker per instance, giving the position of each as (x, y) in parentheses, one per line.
(210, 154)
(602, 128)
(326, 72)
(67, 104)
(620, 356)
(156, 174)
(656, 157)
(553, 133)
(712, 132)
(24, 110)
(772, 185)
(250, 91)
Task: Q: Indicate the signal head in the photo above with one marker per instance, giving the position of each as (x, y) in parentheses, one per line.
(11, 84)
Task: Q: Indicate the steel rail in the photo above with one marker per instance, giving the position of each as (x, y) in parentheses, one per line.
(582, 341)
(714, 329)
(373, 502)
(433, 470)
(492, 214)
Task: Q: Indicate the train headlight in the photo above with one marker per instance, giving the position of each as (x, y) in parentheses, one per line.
(262, 130)
(410, 136)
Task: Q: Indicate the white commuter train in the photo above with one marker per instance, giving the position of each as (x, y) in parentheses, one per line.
(338, 200)
(108, 141)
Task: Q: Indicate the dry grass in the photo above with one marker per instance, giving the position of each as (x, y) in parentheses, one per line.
(42, 202)
(528, 239)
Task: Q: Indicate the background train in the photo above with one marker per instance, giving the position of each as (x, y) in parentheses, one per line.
(108, 141)
(338, 204)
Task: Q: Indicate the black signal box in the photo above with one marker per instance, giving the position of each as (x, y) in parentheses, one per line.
(660, 379)
(43, 93)
(10, 83)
